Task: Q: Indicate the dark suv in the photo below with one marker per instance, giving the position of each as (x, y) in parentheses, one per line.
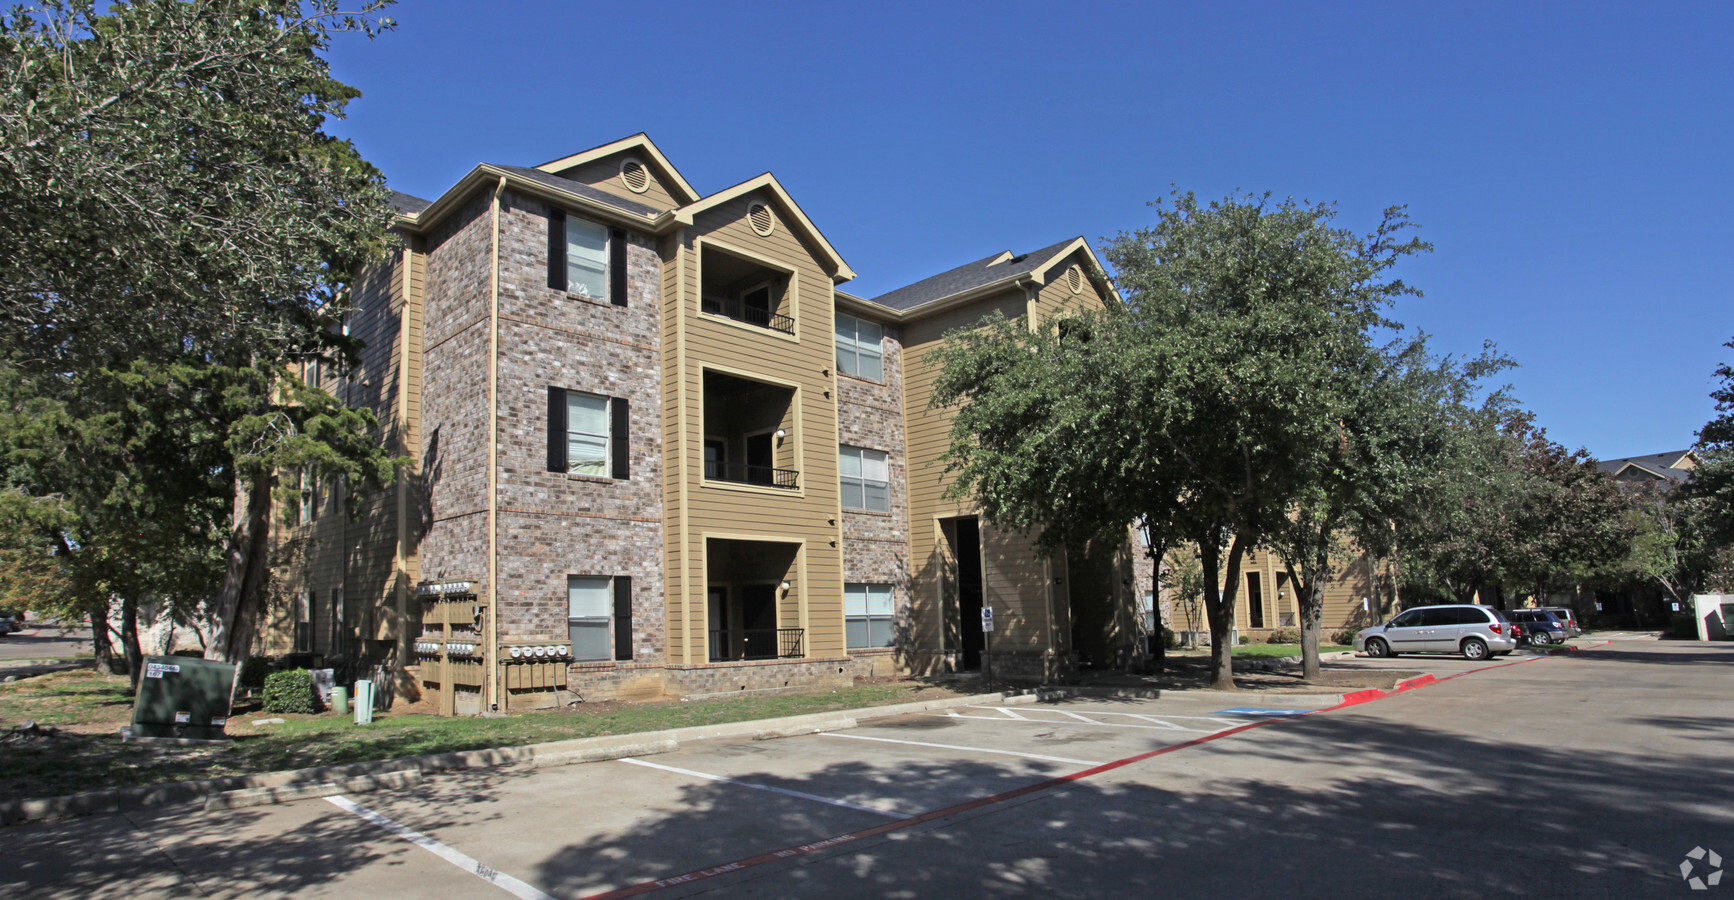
(1542, 625)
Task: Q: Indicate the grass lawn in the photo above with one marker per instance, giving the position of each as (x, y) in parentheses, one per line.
(88, 754)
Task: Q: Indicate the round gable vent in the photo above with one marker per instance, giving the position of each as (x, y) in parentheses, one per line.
(1075, 280)
(759, 216)
(635, 175)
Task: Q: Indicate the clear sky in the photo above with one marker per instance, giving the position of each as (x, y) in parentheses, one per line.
(1570, 161)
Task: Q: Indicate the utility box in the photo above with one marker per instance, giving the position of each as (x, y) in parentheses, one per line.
(182, 697)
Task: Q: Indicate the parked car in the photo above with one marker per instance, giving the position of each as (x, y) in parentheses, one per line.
(1477, 632)
(1568, 616)
(1542, 626)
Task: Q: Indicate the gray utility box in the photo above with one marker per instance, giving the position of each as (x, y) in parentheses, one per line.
(182, 697)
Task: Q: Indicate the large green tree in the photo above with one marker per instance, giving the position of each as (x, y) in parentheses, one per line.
(1201, 409)
(178, 224)
(1399, 409)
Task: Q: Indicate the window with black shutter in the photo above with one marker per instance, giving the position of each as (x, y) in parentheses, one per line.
(617, 267)
(623, 617)
(620, 433)
(557, 249)
(556, 429)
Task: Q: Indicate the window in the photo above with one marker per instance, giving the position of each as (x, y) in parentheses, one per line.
(587, 616)
(1410, 619)
(595, 606)
(588, 434)
(858, 351)
(303, 626)
(867, 615)
(866, 479)
(586, 259)
(309, 495)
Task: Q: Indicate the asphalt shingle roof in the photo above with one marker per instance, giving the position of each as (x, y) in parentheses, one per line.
(1658, 463)
(967, 277)
(408, 204)
(582, 190)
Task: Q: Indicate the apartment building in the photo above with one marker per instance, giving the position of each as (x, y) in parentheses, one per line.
(658, 451)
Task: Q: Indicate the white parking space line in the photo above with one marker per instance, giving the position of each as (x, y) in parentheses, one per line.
(498, 879)
(763, 787)
(1149, 723)
(886, 740)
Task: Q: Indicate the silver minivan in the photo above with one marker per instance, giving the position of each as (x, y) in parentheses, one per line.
(1477, 632)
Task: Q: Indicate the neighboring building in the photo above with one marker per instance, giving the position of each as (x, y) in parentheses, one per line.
(1667, 469)
(656, 451)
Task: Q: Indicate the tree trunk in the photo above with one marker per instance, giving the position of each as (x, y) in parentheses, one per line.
(1159, 634)
(129, 640)
(1219, 597)
(100, 646)
(240, 600)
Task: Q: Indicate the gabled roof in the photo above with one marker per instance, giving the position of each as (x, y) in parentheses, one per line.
(417, 214)
(797, 218)
(1663, 466)
(665, 170)
(541, 177)
(999, 270)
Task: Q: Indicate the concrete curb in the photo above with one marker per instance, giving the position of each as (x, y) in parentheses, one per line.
(266, 796)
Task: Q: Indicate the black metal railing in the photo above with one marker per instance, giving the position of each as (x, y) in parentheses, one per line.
(752, 315)
(756, 643)
(741, 473)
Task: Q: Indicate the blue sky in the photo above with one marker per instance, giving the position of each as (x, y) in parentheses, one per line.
(1569, 161)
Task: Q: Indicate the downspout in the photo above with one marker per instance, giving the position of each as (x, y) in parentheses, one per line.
(494, 456)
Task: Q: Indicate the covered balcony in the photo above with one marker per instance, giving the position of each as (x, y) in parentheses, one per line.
(752, 601)
(741, 290)
(749, 432)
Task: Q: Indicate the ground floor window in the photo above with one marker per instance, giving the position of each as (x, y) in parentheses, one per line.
(588, 608)
(867, 612)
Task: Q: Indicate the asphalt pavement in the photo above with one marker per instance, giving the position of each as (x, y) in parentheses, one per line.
(1591, 773)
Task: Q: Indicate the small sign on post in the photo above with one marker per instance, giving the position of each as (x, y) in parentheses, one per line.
(986, 619)
(986, 642)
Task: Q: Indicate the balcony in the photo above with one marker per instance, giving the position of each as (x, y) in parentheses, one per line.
(744, 310)
(756, 643)
(749, 432)
(745, 291)
(741, 473)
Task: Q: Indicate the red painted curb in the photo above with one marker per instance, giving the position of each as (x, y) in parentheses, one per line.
(1366, 696)
(1417, 682)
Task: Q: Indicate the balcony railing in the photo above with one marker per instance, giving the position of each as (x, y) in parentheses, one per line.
(756, 643)
(752, 315)
(741, 473)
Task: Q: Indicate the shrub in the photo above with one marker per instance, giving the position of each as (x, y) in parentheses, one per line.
(1244, 640)
(1284, 636)
(290, 691)
(1170, 639)
(1346, 636)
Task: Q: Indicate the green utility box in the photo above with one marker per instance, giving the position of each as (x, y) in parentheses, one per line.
(182, 697)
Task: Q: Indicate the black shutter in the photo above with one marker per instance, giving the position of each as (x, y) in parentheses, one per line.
(620, 435)
(623, 617)
(557, 249)
(556, 429)
(617, 267)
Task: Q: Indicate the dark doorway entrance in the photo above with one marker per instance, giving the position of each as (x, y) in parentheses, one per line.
(759, 459)
(966, 549)
(1254, 600)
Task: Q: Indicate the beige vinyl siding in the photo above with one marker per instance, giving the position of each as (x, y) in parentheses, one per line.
(1056, 297)
(928, 435)
(808, 515)
(675, 250)
(604, 175)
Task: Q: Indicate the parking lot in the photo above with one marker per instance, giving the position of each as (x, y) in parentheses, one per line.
(1079, 798)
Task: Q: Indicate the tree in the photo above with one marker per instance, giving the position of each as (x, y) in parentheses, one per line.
(178, 222)
(1201, 409)
(168, 157)
(1399, 409)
